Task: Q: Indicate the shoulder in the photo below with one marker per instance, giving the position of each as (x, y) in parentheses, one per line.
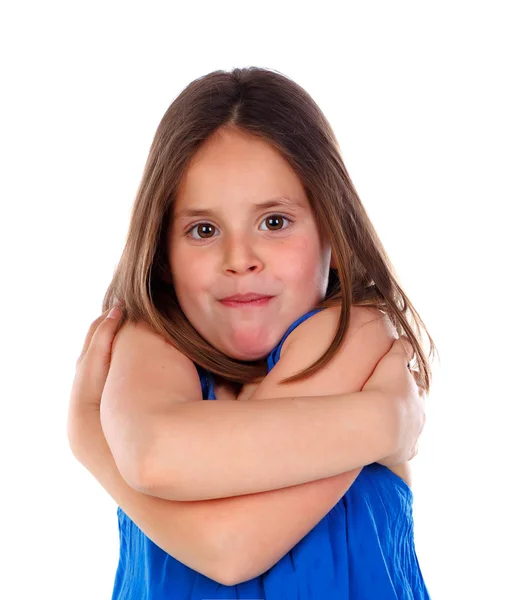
(143, 359)
(321, 328)
(369, 336)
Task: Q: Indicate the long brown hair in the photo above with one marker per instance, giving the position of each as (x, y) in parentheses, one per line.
(269, 105)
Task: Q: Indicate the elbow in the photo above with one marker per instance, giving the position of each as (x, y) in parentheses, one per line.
(233, 574)
(147, 477)
(177, 482)
(139, 478)
(228, 571)
(134, 469)
(235, 561)
(133, 473)
(228, 550)
(129, 458)
(140, 475)
(226, 574)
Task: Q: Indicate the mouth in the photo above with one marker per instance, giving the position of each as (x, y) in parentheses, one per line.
(247, 303)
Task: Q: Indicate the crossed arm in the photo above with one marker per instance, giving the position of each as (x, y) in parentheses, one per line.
(229, 540)
(232, 539)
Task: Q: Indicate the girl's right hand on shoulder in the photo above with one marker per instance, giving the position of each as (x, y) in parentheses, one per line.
(393, 377)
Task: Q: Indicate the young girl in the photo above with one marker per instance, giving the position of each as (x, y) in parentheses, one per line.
(252, 276)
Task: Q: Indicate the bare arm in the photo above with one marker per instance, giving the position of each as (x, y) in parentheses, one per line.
(204, 450)
(226, 535)
(195, 533)
(278, 442)
(168, 442)
(188, 531)
(252, 532)
(257, 530)
(261, 528)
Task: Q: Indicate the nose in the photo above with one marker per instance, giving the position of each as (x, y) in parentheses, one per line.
(241, 256)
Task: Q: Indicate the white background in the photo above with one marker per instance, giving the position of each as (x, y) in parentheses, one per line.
(428, 102)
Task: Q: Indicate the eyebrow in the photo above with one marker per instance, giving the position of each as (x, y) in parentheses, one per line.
(285, 201)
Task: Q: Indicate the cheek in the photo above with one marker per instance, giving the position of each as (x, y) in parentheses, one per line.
(299, 260)
(188, 282)
(185, 263)
(185, 275)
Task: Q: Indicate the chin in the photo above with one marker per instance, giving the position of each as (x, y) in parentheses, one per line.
(246, 355)
(249, 348)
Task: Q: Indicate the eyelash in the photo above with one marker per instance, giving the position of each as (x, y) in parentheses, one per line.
(192, 227)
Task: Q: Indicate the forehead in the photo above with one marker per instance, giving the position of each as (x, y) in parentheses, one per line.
(236, 168)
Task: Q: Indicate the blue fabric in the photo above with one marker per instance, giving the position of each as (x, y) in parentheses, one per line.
(363, 549)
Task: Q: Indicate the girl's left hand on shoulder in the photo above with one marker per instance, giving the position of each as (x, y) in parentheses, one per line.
(91, 371)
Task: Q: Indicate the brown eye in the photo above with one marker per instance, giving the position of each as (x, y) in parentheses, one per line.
(276, 222)
(206, 229)
(203, 228)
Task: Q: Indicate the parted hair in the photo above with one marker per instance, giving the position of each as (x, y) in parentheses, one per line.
(269, 105)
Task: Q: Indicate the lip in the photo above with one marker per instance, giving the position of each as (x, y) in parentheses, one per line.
(244, 297)
(242, 300)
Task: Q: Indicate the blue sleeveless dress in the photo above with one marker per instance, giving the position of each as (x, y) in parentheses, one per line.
(363, 549)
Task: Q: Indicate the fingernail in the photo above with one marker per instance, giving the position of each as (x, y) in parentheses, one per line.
(115, 313)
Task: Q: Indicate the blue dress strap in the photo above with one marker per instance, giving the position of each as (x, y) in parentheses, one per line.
(207, 383)
(274, 357)
(207, 380)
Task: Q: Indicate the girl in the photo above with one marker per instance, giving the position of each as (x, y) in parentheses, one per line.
(252, 276)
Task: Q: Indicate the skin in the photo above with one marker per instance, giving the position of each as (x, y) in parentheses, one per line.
(292, 263)
(186, 529)
(238, 248)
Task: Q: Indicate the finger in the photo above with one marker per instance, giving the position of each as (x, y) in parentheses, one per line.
(96, 364)
(102, 338)
(91, 331)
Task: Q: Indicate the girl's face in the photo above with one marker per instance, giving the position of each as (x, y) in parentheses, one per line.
(222, 242)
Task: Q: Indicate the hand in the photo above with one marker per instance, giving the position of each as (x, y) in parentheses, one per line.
(392, 376)
(91, 372)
